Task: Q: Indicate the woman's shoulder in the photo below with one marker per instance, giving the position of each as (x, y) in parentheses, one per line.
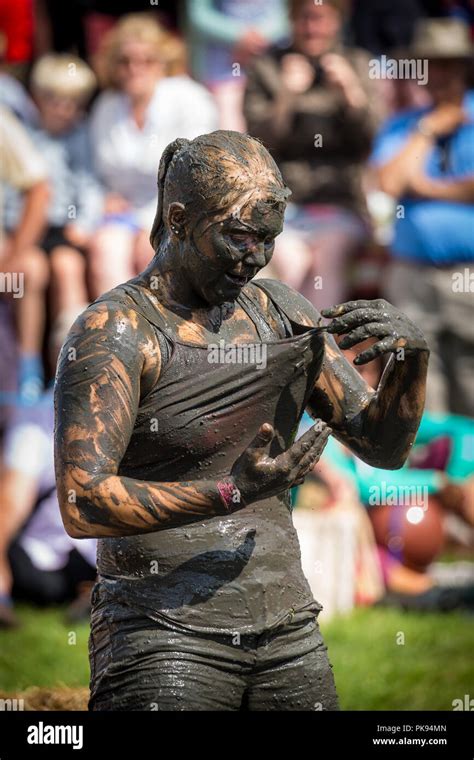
(110, 341)
(113, 314)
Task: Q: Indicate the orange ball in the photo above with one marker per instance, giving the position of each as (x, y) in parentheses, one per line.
(413, 535)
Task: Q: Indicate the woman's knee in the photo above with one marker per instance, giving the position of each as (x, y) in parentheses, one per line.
(67, 264)
(33, 263)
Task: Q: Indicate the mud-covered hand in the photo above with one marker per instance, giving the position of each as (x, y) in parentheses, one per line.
(360, 320)
(257, 475)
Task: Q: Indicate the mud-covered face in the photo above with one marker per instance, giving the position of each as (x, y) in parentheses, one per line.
(226, 251)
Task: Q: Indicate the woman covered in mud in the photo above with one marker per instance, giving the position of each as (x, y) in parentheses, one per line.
(181, 462)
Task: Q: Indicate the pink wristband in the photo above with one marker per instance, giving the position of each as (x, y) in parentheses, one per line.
(230, 494)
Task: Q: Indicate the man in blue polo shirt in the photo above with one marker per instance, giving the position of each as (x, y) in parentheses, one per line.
(425, 159)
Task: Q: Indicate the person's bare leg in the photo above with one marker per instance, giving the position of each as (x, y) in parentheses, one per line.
(403, 580)
(18, 498)
(68, 280)
(32, 266)
(29, 271)
(110, 258)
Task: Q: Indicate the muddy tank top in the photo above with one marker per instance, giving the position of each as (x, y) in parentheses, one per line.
(233, 573)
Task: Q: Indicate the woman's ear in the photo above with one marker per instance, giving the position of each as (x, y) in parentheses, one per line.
(176, 219)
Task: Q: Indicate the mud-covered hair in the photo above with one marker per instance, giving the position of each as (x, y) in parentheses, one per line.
(209, 174)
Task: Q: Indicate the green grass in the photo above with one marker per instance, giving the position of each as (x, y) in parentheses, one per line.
(432, 668)
(40, 653)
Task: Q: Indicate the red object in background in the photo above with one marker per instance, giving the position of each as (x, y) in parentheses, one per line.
(415, 544)
(16, 23)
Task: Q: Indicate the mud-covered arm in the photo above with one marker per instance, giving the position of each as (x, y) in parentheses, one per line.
(380, 425)
(108, 361)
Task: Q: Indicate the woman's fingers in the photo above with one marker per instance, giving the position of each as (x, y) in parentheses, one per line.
(371, 330)
(344, 308)
(292, 456)
(347, 316)
(255, 464)
(307, 468)
(255, 473)
(383, 347)
(381, 320)
(302, 455)
(309, 459)
(357, 318)
(263, 438)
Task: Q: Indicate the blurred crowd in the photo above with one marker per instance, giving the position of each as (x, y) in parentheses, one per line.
(367, 107)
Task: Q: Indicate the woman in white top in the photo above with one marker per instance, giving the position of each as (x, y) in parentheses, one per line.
(148, 102)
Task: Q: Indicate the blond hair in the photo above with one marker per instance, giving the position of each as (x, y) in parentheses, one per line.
(63, 74)
(139, 27)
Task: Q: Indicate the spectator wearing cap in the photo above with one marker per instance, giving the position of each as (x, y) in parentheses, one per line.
(425, 159)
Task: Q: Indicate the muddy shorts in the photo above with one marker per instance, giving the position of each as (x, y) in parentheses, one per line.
(140, 664)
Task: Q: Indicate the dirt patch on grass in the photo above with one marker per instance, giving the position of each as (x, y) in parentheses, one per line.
(59, 698)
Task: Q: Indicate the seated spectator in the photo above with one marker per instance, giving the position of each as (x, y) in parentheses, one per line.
(425, 159)
(224, 37)
(61, 86)
(23, 270)
(310, 104)
(142, 110)
(39, 562)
